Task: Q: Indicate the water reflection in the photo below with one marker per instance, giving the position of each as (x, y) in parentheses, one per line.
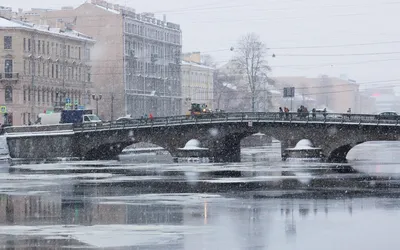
(256, 204)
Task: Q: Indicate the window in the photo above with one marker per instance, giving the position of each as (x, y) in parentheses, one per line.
(29, 45)
(8, 94)
(48, 48)
(8, 68)
(38, 47)
(24, 44)
(7, 42)
(25, 67)
(52, 71)
(43, 47)
(43, 68)
(57, 71)
(38, 96)
(69, 51)
(24, 95)
(79, 53)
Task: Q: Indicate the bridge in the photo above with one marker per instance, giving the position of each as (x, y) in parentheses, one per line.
(221, 133)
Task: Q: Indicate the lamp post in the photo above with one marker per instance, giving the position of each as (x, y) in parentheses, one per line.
(97, 98)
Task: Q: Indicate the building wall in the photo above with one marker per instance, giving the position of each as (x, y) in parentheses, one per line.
(136, 60)
(197, 85)
(43, 74)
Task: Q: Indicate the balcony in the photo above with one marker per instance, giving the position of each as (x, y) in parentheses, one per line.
(9, 76)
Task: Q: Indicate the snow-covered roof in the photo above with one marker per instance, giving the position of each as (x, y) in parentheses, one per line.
(274, 91)
(5, 23)
(196, 65)
(15, 24)
(108, 9)
(229, 85)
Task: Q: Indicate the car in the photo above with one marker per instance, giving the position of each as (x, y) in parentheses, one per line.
(125, 119)
(329, 114)
(387, 115)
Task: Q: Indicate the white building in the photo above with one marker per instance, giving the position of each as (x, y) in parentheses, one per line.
(197, 84)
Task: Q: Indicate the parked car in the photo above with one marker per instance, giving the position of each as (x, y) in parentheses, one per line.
(387, 115)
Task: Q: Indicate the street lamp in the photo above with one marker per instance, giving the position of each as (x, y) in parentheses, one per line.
(97, 98)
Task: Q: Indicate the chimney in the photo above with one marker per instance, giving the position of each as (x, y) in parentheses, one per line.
(6, 12)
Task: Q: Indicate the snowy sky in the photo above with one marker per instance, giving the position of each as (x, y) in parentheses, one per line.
(354, 37)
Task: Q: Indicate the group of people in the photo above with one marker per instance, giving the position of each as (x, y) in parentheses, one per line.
(146, 117)
(284, 110)
(302, 112)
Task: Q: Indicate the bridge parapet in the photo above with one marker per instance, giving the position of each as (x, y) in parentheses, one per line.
(291, 117)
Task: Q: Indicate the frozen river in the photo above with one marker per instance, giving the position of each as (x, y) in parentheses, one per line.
(147, 202)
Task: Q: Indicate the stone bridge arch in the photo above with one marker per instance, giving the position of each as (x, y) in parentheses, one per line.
(223, 139)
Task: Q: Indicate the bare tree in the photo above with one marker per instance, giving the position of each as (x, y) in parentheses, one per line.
(208, 60)
(250, 61)
(223, 92)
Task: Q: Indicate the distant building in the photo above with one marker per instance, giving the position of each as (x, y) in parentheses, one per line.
(136, 59)
(41, 67)
(197, 82)
(334, 93)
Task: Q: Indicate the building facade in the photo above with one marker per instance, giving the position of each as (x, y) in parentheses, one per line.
(136, 59)
(41, 68)
(197, 82)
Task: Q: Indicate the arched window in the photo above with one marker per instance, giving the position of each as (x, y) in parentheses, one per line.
(8, 94)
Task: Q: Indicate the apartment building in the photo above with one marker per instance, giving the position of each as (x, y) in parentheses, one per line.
(136, 59)
(41, 68)
(197, 82)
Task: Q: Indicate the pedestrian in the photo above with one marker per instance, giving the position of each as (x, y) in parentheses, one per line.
(280, 113)
(286, 110)
(324, 113)
(314, 113)
(151, 116)
(349, 113)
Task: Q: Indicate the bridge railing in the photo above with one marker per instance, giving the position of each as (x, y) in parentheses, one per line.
(245, 117)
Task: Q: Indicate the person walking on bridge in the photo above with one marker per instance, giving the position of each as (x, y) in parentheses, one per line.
(280, 113)
(349, 113)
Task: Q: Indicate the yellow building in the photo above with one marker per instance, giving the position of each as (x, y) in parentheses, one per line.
(41, 68)
(197, 82)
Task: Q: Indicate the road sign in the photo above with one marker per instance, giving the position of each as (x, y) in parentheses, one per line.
(76, 102)
(81, 107)
(3, 109)
(67, 100)
(288, 92)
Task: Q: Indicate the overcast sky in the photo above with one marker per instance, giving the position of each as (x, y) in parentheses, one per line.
(213, 26)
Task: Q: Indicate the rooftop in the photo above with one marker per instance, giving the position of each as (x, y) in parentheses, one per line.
(5, 23)
(146, 17)
(196, 65)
